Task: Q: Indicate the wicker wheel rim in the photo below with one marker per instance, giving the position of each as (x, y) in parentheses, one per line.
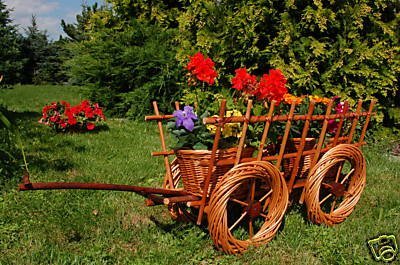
(218, 214)
(331, 159)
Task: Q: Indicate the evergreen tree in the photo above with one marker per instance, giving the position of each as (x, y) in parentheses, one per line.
(10, 45)
(34, 48)
(76, 31)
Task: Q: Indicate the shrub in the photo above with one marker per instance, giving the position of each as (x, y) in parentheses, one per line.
(127, 66)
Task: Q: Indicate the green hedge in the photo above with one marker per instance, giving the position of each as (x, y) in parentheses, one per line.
(350, 49)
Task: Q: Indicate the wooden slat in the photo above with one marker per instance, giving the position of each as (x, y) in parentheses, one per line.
(266, 130)
(163, 153)
(158, 117)
(286, 135)
(244, 131)
(168, 174)
(177, 199)
(340, 125)
(355, 122)
(227, 162)
(367, 119)
(212, 161)
(320, 142)
(302, 144)
(298, 117)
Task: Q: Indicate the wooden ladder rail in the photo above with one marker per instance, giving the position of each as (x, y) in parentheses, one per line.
(285, 135)
(244, 132)
(355, 122)
(319, 144)
(220, 125)
(340, 125)
(302, 145)
(168, 174)
(267, 125)
(367, 120)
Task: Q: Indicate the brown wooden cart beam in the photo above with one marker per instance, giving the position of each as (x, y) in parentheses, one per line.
(144, 191)
(255, 119)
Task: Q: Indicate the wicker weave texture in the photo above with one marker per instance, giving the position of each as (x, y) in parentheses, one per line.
(354, 182)
(230, 187)
(293, 146)
(193, 171)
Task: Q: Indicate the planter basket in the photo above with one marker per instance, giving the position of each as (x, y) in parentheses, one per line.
(193, 165)
(293, 145)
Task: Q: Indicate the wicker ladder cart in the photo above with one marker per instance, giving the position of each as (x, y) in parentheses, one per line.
(242, 198)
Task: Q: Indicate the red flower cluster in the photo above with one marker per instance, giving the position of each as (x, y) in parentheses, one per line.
(62, 116)
(202, 68)
(243, 81)
(271, 86)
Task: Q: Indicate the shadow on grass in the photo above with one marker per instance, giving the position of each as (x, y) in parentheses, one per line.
(43, 148)
(176, 228)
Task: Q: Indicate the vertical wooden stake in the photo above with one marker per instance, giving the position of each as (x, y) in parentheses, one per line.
(367, 119)
(219, 126)
(302, 144)
(166, 179)
(320, 142)
(340, 125)
(286, 135)
(355, 121)
(244, 131)
(164, 148)
(266, 130)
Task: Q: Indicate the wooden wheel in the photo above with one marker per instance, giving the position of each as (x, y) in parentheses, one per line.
(335, 185)
(180, 211)
(247, 206)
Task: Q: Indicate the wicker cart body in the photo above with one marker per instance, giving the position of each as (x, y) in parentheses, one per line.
(242, 196)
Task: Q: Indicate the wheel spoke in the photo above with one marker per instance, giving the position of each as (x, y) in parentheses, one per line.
(333, 205)
(252, 189)
(324, 199)
(264, 215)
(339, 171)
(239, 202)
(265, 196)
(266, 204)
(347, 176)
(251, 232)
(238, 221)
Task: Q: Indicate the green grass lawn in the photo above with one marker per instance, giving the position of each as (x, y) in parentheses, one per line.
(103, 227)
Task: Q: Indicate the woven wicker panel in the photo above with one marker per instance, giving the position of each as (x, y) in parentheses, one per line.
(193, 165)
(293, 145)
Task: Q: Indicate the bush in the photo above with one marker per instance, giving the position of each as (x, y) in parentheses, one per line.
(349, 49)
(331, 47)
(127, 68)
(9, 154)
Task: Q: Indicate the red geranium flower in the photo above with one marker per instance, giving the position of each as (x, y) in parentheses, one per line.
(90, 126)
(243, 81)
(202, 68)
(272, 86)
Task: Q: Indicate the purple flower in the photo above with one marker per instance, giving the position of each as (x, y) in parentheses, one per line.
(185, 118)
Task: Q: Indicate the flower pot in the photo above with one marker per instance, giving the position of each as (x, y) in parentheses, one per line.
(292, 146)
(193, 165)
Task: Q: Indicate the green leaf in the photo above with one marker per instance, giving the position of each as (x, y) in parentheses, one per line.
(199, 146)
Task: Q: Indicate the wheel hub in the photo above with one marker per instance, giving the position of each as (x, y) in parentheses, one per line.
(254, 209)
(337, 189)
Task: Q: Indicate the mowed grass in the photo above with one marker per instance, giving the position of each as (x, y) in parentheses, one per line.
(105, 227)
